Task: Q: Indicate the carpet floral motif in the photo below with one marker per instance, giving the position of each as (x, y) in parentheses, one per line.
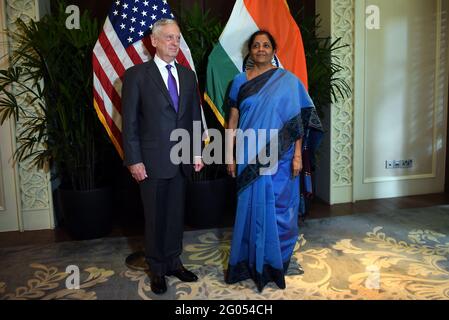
(377, 267)
(401, 255)
(46, 279)
(421, 258)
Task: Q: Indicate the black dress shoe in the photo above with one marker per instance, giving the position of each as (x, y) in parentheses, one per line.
(183, 274)
(158, 285)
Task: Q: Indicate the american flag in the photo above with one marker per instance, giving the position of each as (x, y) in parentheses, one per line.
(124, 42)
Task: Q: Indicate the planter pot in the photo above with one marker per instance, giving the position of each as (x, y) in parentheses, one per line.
(210, 203)
(128, 208)
(87, 214)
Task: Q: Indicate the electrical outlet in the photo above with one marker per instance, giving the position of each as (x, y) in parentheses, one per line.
(397, 164)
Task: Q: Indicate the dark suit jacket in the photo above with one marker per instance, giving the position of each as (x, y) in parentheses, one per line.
(149, 118)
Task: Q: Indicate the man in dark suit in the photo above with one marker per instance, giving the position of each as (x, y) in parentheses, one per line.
(158, 97)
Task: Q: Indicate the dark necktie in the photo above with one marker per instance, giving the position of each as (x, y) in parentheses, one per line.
(172, 88)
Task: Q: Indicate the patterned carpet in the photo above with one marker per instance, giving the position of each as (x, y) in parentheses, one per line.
(401, 254)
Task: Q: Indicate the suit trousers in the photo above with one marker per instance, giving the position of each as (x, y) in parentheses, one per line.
(164, 206)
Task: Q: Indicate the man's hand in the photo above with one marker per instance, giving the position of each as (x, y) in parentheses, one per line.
(198, 164)
(138, 171)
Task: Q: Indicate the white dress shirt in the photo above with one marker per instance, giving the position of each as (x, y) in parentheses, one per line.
(161, 64)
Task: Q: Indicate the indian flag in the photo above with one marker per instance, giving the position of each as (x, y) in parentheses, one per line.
(226, 59)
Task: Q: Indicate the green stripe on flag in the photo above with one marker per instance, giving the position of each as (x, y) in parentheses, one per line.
(220, 72)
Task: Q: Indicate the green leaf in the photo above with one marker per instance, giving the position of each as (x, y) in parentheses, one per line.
(52, 73)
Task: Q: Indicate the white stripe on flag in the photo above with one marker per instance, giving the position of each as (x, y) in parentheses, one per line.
(141, 49)
(117, 44)
(107, 67)
(238, 29)
(187, 54)
(109, 107)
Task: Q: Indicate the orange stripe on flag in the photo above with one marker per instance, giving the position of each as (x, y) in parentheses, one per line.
(274, 16)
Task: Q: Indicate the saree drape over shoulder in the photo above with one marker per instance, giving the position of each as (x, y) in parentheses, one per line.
(266, 225)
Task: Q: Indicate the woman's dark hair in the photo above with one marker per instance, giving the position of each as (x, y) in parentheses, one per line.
(261, 32)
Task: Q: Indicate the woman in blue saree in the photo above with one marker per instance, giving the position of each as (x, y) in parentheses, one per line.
(266, 225)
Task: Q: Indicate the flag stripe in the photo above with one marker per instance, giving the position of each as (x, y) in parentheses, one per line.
(107, 56)
(115, 138)
(215, 110)
(100, 61)
(219, 75)
(142, 51)
(242, 24)
(186, 53)
(109, 108)
(111, 91)
(135, 58)
(181, 59)
(284, 30)
(116, 44)
(105, 116)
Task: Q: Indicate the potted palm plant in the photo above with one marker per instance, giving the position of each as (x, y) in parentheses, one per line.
(48, 90)
(210, 191)
(326, 86)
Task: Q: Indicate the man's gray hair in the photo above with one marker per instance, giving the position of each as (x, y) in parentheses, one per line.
(160, 23)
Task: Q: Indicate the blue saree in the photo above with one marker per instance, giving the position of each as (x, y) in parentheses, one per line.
(266, 223)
